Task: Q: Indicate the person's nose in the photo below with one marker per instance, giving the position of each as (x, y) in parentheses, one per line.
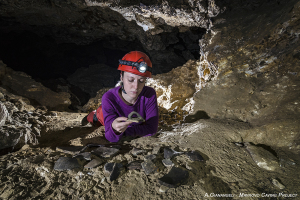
(135, 85)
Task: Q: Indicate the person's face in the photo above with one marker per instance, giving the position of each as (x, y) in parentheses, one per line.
(133, 84)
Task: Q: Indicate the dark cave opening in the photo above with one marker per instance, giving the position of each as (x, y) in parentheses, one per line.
(52, 63)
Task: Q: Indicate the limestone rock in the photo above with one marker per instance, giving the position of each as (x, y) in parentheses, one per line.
(262, 157)
(25, 86)
(278, 184)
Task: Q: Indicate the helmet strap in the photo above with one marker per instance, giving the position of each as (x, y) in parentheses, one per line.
(123, 90)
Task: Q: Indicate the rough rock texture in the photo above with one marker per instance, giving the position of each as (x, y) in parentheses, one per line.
(89, 20)
(167, 30)
(243, 90)
(23, 85)
(258, 82)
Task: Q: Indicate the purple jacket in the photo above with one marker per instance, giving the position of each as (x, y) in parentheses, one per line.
(114, 107)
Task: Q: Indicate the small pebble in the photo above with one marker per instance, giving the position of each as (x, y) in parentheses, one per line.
(240, 144)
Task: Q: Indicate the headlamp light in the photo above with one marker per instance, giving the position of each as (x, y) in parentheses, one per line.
(140, 66)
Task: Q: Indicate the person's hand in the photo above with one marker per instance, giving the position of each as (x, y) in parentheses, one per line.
(120, 124)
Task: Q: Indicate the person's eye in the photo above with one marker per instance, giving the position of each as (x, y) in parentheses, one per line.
(130, 80)
(142, 80)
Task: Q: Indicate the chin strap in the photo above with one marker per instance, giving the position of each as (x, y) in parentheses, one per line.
(123, 90)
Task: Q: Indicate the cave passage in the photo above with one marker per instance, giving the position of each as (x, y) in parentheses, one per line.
(52, 63)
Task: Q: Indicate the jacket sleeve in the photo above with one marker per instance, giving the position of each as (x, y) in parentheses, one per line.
(149, 127)
(110, 114)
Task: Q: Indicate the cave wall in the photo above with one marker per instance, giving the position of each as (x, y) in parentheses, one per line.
(257, 54)
(173, 27)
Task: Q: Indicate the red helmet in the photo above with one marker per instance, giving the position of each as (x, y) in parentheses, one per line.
(136, 62)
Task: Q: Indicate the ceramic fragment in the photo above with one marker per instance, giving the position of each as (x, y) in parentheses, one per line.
(94, 163)
(149, 167)
(174, 178)
(135, 165)
(194, 156)
(66, 163)
(105, 152)
(169, 153)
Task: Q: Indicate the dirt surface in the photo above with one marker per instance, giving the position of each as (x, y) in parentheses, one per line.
(227, 169)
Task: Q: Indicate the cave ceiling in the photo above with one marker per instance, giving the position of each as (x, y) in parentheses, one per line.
(168, 31)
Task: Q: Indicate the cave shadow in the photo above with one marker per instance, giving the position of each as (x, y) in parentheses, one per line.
(199, 170)
(84, 135)
(198, 115)
(54, 139)
(266, 147)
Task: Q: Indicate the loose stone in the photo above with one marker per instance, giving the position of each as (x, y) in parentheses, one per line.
(167, 163)
(240, 144)
(149, 167)
(71, 149)
(105, 152)
(169, 153)
(194, 156)
(278, 184)
(137, 164)
(136, 151)
(262, 157)
(66, 163)
(113, 170)
(94, 163)
(174, 178)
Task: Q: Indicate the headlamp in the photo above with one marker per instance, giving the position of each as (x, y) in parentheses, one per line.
(140, 66)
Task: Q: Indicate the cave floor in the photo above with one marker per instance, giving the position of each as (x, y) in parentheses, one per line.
(227, 169)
